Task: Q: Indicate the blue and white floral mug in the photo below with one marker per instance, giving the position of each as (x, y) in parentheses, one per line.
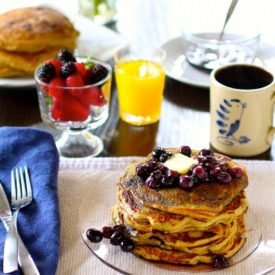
(242, 98)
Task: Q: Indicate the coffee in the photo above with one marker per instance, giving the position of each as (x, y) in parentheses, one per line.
(244, 77)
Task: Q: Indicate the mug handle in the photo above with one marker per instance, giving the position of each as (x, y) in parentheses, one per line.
(271, 131)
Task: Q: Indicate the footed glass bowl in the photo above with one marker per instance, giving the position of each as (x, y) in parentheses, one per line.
(76, 111)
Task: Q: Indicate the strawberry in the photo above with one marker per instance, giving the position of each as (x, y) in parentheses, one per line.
(67, 79)
(68, 108)
(74, 81)
(55, 88)
(88, 76)
(57, 65)
(93, 96)
(81, 70)
(56, 109)
(86, 96)
(97, 97)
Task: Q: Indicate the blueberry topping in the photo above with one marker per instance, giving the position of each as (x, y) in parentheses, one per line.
(155, 174)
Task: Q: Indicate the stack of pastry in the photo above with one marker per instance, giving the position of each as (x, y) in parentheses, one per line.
(183, 214)
(31, 35)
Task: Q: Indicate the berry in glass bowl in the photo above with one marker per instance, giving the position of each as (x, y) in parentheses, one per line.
(74, 94)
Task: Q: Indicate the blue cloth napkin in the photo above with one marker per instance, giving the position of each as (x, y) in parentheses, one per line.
(39, 222)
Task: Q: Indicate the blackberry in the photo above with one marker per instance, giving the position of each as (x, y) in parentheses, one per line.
(68, 69)
(99, 72)
(65, 55)
(46, 72)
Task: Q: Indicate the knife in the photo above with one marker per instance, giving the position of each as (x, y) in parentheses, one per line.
(24, 258)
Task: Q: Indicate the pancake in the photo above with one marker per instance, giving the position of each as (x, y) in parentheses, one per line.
(9, 72)
(147, 219)
(30, 36)
(178, 252)
(184, 225)
(205, 196)
(23, 64)
(34, 29)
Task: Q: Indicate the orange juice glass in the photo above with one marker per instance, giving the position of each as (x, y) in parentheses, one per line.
(140, 83)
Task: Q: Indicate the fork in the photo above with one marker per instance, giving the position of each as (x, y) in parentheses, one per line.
(21, 196)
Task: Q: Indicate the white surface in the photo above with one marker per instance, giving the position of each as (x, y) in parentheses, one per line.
(172, 16)
(78, 178)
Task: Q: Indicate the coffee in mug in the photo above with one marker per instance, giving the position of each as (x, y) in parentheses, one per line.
(242, 98)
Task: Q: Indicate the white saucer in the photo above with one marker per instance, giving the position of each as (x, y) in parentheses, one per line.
(179, 69)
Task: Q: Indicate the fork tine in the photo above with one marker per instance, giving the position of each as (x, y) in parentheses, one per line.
(28, 182)
(23, 187)
(13, 187)
(17, 185)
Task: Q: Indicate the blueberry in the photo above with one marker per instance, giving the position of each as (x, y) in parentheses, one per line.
(94, 235)
(127, 245)
(185, 150)
(116, 238)
(220, 262)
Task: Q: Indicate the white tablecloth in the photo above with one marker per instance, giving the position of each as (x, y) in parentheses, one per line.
(77, 177)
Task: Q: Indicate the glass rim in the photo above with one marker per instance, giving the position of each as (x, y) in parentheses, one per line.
(244, 39)
(138, 55)
(78, 58)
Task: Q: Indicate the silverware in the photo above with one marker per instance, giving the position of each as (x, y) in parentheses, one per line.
(19, 200)
(24, 258)
(228, 15)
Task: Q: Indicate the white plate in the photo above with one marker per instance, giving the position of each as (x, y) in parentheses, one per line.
(179, 69)
(94, 40)
(17, 82)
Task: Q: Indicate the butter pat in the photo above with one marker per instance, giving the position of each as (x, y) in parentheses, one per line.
(180, 163)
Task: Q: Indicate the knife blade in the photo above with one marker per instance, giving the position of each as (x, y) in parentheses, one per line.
(24, 258)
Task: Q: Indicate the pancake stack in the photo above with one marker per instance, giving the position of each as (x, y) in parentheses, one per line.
(31, 35)
(178, 223)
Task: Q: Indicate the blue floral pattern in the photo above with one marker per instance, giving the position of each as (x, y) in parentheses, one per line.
(230, 115)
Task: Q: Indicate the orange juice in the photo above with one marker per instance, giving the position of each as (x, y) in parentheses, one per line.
(140, 85)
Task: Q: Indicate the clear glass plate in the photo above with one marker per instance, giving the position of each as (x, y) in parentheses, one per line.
(95, 212)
